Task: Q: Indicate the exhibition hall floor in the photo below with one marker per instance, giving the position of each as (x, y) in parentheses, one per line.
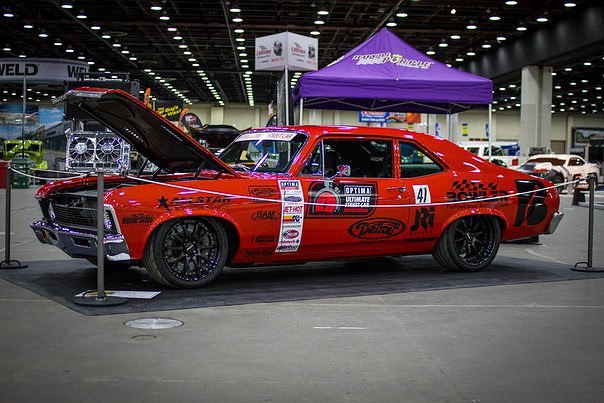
(389, 329)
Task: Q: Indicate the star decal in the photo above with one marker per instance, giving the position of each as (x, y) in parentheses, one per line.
(163, 202)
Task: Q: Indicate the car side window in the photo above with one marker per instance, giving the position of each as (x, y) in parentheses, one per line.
(575, 162)
(366, 158)
(414, 162)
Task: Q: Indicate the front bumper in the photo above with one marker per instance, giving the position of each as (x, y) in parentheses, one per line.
(80, 244)
(553, 224)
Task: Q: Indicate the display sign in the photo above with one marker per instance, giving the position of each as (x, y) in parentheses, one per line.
(464, 129)
(286, 49)
(40, 70)
(171, 110)
(383, 117)
(582, 135)
(373, 116)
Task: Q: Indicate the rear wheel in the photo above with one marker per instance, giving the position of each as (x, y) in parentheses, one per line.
(469, 244)
(186, 253)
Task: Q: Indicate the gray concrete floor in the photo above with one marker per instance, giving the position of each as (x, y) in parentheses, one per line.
(513, 343)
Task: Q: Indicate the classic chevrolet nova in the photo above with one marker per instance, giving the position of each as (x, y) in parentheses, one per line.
(286, 195)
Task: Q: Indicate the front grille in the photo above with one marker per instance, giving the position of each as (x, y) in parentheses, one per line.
(80, 216)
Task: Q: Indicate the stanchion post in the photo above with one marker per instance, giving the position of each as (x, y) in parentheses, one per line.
(9, 263)
(591, 181)
(100, 299)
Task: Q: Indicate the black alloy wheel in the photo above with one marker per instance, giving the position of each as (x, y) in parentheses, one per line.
(187, 253)
(469, 244)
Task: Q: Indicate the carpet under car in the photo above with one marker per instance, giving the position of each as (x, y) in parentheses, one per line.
(61, 280)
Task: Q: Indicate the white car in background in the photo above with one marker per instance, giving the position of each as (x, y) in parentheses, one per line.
(561, 168)
(498, 155)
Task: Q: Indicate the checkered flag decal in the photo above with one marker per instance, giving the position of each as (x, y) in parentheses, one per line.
(469, 186)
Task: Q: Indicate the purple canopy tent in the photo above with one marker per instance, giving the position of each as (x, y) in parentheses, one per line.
(386, 74)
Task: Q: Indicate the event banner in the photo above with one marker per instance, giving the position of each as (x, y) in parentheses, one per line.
(40, 70)
(286, 49)
(383, 117)
(171, 110)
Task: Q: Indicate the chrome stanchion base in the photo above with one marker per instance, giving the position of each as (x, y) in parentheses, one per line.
(587, 268)
(12, 264)
(90, 298)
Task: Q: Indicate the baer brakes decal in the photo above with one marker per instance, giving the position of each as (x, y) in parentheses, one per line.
(292, 216)
(329, 200)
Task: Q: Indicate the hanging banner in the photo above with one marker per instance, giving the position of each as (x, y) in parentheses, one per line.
(40, 70)
(297, 52)
(464, 129)
(171, 110)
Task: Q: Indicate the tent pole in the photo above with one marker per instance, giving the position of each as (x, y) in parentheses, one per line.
(489, 130)
(449, 127)
(427, 123)
(286, 96)
(301, 109)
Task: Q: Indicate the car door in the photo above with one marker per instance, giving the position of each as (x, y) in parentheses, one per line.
(346, 181)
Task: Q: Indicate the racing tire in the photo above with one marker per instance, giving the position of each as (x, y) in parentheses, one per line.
(469, 244)
(186, 253)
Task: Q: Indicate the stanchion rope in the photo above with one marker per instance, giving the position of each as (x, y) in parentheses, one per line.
(262, 199)
(45, 177)
(343, 205)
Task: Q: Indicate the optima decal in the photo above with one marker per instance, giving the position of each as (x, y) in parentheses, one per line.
(350, 200)
(376, 228)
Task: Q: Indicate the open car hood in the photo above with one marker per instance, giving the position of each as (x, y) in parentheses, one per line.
(149, 133)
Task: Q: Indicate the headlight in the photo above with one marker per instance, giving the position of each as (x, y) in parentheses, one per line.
(51, 212)
(108, 221)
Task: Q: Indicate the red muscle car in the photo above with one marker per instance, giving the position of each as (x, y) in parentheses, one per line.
(289, 194)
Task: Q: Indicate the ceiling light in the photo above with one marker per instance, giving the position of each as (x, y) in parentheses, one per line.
(521, 28)
(6, 48)
(182, 46)
(240, 39)
(186, 53)
(455, 37)
(177, 37)
(554, 74)
(453, 11)
(486, 45)
(8, 14)
(542, 19)
(512, 86)
(172, 29)
(69, 50)
(58, 42)
(90, 62)
(125, 51)
(443, 44)
(192, 59)
(430, 52)
(95, 28)
(237, 19)
(81, 15)
(470, 53)
(43, 34)
(501, 38)
(239, 31)
(584, 81)
(66, 4)
(155, 7)
(117, 45)
(240, 47)
(570, 4)
(402, 14)
(459, 59)
(494, 18)
(147, 70)
(27, 26)
(106, 36)
(391, 23)
(235, 8)
(587, 64)
(243, 54)
(471, 25)
(133, 58)
(319, 21)
(243, 60)
(315, 33)
(568, 69)
(101, 69)
(164, 16)
(245, 66)
(511, 2)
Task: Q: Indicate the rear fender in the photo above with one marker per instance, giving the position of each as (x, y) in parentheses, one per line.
(486, 211)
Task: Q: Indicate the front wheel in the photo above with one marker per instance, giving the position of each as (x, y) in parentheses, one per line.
(186, 253)
(469, 244)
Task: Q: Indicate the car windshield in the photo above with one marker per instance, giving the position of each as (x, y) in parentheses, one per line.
(263, 151)
(553, 161)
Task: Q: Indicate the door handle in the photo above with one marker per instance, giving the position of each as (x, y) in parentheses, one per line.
(400, 189)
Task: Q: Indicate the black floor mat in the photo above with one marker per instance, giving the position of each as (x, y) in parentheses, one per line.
(61, 280)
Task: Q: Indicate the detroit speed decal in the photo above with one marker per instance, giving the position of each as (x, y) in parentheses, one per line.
(292, 216)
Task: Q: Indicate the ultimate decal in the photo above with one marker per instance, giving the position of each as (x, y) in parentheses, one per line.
(330, 200)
